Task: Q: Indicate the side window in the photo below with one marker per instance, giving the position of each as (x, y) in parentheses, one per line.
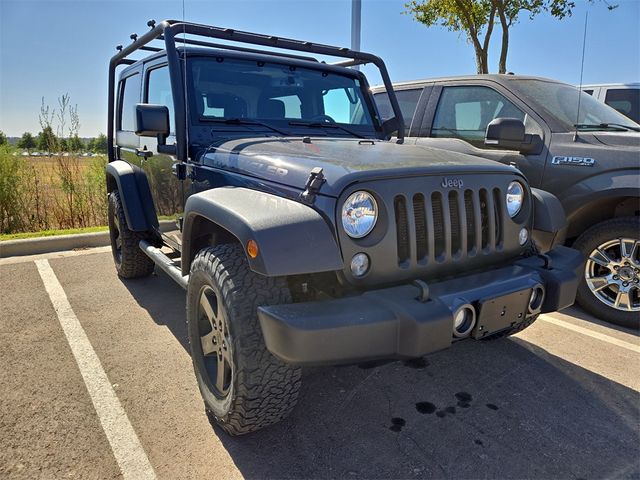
(159, 91)
(407, 99)
(465, 112)
(625, 100)
(588, 92)
(130, 95)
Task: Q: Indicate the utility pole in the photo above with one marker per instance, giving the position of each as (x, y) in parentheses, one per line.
(356, 14)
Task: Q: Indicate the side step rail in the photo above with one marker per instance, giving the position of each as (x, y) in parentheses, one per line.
(165, 263)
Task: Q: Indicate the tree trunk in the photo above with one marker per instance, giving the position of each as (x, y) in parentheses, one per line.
(502, 66)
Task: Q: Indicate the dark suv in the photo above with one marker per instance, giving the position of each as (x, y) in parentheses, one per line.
(564, 141)
(305, 237)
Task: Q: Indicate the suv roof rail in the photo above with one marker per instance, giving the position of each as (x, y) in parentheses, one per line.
(168, 29)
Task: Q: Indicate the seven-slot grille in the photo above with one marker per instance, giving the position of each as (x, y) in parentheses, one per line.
(447, 225)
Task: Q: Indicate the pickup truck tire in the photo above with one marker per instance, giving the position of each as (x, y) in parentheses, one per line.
(623, 266)
(243, 386)
(131, 262)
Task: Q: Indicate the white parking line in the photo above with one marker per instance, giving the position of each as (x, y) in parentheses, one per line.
(592, 334)
(126, 447)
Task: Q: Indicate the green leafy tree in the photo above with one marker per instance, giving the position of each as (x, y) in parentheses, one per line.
(476, 20)
(47, 140)
(100, 144)
(3, 138)
(74, 144)
(27, 142)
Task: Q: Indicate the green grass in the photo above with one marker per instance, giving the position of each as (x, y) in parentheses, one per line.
(50, 233)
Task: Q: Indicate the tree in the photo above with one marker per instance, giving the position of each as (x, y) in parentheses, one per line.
(74, 144)
(27, 142)
(47, 140)
(476, 19)
(100, 144)
(3, 138)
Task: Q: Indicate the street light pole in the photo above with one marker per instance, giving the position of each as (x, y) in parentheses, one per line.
(356, 14)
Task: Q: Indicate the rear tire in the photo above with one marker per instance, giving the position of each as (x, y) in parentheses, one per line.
(600, 298)
(243, 386)
(131, 262)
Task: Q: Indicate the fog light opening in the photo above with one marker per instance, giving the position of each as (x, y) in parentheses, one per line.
(359, 264)
(523, 236)
(464, 319)
(536, 299)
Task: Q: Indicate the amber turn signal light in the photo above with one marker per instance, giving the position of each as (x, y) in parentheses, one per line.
(252, 248)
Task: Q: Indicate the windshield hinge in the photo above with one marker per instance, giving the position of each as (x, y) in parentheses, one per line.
(312, 187)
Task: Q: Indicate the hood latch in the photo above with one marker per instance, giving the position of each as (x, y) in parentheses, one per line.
(312, 187)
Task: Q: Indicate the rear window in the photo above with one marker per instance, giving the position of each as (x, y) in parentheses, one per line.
(407, 99)
(626, 101)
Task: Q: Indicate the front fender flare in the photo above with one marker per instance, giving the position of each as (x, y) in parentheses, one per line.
(292, 238)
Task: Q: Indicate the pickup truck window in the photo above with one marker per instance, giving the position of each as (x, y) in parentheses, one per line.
(625, 100)
(407, 99)
(561, 101)
(465, 112)
(129, 96)
(159, 91)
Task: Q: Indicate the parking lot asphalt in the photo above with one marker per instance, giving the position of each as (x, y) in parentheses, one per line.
(559, 400)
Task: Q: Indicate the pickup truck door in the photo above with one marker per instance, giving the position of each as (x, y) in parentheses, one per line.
(456, 117)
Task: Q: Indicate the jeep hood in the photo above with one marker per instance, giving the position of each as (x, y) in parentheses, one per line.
(288, 161)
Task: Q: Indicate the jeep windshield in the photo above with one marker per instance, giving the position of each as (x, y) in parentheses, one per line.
(561, 101)
(278, 98)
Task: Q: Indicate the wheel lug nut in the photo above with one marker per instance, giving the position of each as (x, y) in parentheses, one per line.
(616, 277)
(616, 267)
(625, 284)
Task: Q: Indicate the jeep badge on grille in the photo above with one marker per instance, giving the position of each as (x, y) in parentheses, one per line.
(452, 182)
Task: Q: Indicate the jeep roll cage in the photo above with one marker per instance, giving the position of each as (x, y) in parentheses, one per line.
(167, 31)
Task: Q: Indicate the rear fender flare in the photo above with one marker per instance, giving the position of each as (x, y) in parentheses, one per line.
(135, 195)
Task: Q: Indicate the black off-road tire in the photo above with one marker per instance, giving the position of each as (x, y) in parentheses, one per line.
(586, 243)
(262, 390)
(131, 262)
(513, 330)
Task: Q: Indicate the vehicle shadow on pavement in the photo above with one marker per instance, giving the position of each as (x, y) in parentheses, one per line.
(577, 312)
(502, 409)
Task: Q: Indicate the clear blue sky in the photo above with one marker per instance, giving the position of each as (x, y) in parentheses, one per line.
(51, 47)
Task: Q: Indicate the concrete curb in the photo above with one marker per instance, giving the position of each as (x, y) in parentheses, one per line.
(57, 243)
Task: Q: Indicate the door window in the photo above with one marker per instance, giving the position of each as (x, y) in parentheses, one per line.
(130, 95)
(625, 100)
(159, 91)
(465, 112)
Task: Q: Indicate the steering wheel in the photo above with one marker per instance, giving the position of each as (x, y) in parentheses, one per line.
(323, 119)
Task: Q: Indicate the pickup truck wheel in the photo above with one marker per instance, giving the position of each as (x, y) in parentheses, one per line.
(610, 287)
(243, 386)
(131, 262)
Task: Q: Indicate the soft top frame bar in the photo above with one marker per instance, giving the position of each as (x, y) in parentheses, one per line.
(168, 29)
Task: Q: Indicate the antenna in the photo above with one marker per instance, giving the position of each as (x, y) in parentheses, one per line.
(584, 43)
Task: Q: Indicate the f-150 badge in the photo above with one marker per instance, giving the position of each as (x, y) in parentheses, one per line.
(577, 161)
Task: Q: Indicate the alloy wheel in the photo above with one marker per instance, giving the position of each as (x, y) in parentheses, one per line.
(612, 273)
(215, 342)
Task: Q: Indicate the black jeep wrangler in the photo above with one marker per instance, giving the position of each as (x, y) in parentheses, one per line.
(304, 236)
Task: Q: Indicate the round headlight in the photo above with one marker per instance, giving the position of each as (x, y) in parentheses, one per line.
(359, 214)
(515, 198)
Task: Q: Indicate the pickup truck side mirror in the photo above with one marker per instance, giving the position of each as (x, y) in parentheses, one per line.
(509, 133)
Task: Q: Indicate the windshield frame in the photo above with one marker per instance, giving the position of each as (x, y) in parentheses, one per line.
(559, 124)
(370, 130)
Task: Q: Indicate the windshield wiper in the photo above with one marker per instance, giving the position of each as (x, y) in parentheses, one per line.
(326, 125)
(245, 121)
(614, 126)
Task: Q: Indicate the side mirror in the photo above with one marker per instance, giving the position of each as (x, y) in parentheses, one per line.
(152, 121)
(508, 133)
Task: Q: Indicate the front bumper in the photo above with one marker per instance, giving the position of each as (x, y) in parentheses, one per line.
(400, 322)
